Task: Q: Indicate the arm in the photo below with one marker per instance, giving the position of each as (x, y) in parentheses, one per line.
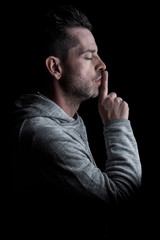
(123, 165)
(121, 146)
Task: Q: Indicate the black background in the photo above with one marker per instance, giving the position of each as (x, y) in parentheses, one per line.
(127, 35)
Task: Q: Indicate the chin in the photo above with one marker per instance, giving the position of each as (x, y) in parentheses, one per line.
(90, 96)
(96, 94)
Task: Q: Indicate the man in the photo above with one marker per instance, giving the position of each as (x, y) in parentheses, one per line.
(51, 157)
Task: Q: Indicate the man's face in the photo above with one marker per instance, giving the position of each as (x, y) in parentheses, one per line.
(81, 74)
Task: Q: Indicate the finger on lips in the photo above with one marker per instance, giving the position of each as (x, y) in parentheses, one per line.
(104, 86)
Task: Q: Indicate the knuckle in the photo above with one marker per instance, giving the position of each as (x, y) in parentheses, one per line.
(112, 95)
(125, 104)
(119, 99)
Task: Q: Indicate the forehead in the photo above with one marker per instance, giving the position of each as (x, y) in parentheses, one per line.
(84, 37)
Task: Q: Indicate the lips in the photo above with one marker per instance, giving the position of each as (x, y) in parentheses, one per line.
(99, 80)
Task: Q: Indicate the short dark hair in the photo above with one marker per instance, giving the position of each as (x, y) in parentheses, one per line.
(57, 40)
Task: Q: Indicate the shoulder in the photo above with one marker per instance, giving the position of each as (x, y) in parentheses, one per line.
(39, 126)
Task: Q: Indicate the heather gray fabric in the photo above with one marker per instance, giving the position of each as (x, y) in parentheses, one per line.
(54, 151)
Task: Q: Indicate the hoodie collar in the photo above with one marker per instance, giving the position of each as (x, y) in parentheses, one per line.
(37, 105)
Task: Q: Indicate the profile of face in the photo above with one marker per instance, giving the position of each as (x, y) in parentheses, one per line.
(81, 71)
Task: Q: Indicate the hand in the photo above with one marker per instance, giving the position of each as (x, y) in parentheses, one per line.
(110, 106)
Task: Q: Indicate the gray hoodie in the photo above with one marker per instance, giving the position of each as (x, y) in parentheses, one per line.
(51, 152)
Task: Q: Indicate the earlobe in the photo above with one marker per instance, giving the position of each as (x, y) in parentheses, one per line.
(53, 66)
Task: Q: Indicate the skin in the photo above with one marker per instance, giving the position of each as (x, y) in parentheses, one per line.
(82, 76)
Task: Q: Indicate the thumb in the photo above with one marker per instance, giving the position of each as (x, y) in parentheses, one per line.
(104, 86)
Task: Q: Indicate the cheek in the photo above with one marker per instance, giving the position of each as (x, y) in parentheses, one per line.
(79, 70)
(85, 69)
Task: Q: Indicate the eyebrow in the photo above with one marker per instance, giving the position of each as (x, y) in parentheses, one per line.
(88, 50)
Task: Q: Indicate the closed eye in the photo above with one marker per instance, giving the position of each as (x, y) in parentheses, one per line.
(88, 58)
(88, 54)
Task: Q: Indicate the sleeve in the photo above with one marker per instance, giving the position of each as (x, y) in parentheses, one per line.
(68, 158)
(123, 166)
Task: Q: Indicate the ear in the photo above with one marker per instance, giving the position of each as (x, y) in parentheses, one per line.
(54, 67)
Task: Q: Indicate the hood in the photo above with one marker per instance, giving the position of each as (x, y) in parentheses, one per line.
(37, 105)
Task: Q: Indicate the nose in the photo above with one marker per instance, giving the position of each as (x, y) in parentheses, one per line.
(101, 66)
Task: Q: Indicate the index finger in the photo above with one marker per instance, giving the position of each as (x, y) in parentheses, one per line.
(104, 86)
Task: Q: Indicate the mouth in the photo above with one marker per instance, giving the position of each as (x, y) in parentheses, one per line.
(98, 80)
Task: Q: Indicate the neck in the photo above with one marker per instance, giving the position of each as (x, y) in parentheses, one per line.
(68, 104)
